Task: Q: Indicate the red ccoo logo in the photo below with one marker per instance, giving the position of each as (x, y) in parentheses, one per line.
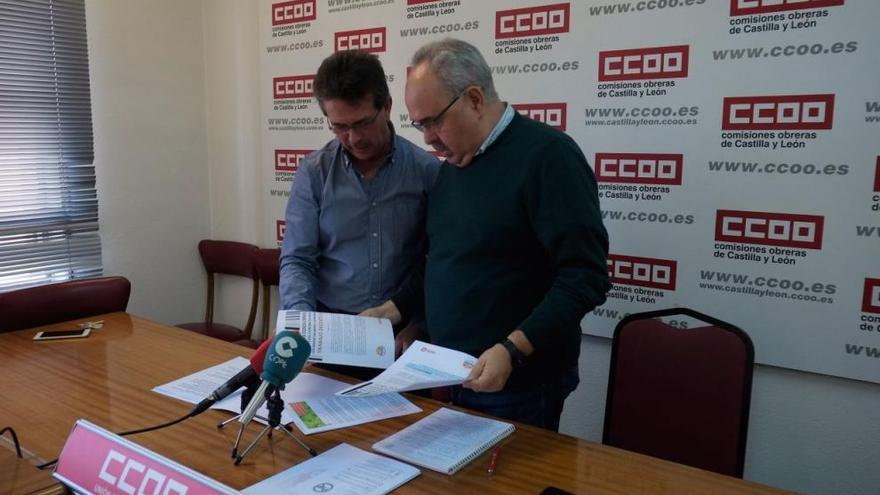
(552, 114)
(772, 229)
(369, 40)
(294, 11)
(280, 228)
(877, 176)
(778, 112)
(293, 87)
(747, 7)
(532, 21)
(288, 160)
(662, 62)
(871, 298)
(639, 168)
(645, 272)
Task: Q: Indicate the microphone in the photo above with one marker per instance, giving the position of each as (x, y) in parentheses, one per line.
(285, 359)
(244, 378)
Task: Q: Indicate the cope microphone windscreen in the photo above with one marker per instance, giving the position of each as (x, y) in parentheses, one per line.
(286, 357)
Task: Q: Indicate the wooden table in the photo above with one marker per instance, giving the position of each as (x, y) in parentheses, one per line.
(106, 379)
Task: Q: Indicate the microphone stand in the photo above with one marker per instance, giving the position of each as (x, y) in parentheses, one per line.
(275, 405)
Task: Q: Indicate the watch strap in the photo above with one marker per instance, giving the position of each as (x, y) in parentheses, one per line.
(517, 357)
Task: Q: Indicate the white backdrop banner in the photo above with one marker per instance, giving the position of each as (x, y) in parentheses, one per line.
(736, 144)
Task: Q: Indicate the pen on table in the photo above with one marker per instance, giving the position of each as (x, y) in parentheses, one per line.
(493, 461)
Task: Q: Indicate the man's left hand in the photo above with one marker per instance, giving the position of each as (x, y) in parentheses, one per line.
(491, 371)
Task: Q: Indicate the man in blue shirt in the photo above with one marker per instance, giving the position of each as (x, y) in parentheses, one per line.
(355, 218)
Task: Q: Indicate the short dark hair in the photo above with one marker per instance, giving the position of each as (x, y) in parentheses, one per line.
(350, 76)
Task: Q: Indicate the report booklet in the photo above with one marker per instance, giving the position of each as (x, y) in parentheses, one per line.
(343, 470)
(445, 441)
(342, 339)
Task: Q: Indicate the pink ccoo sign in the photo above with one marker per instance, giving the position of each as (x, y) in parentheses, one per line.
(99, 462)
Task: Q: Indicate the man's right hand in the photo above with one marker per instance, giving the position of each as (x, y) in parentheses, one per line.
(385, 310)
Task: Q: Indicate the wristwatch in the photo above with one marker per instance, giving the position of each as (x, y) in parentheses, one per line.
(517, 358)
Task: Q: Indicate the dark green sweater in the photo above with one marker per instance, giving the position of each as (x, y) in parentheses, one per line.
(516, 241)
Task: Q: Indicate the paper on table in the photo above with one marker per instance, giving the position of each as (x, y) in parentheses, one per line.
(422, 366)
(446, 440)
(317, 414)
(195, 387)
(344, 469)
(342, 339)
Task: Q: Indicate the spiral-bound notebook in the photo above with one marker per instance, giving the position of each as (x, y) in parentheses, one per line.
(445, 441)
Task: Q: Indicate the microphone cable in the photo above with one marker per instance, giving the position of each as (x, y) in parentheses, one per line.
(14, 440)
(51, 463)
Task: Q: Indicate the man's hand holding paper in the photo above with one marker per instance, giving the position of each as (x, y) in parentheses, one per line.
(422, 366)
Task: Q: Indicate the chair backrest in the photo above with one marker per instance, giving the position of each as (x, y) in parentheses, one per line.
(53, 303)
(230, 258)
(680, 394)
(268, 267)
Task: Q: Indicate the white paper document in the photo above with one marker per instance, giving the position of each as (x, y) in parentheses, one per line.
(317, 414)
(195, 387)
(422, 366)
(446, 440)
(342, 339)
(342, 470)
(309, 399)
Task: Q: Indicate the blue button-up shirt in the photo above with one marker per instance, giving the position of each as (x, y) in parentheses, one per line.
(351, 243)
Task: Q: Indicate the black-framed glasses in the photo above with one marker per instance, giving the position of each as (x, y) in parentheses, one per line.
(429, 122)
(357, 126)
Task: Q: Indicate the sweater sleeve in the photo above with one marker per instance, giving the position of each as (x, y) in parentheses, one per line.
(563, 207)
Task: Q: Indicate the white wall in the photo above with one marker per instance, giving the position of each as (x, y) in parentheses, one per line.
(147, 68)
(232, 128)
(809, 433)
(175, 103)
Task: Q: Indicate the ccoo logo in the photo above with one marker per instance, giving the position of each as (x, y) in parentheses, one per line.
(293, 87)
(371, 40)
(133, 475)
(662, 62)
(772, 229)
(783, 112)
(294, 11)
(645, 272)
(747, 7)
(871, 298)
(280, 229)
(639, 168)
(552, 114)
(877, 176)
(289, 160)
(532, 21)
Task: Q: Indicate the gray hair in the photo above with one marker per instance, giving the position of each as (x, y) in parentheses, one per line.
(457, 64)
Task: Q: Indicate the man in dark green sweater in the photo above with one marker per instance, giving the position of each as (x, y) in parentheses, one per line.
(517, 250)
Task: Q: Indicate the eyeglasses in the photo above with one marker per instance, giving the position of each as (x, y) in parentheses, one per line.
(430, 122)
(357, 126)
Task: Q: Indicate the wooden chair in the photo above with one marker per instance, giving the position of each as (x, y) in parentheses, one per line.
(53, 303)
(268, 267)
(680, 394)
(229, 258)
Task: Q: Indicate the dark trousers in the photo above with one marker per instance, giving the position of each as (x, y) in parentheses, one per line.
(538, 405)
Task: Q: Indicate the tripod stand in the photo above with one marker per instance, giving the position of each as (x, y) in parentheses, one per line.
(275, 405)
